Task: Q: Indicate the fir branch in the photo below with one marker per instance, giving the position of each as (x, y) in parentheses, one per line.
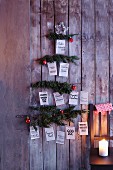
(45, 119)
(51, 114)
(54, 36)
(55, 85)
(58, 58)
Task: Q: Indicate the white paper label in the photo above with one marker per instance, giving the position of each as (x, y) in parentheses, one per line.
(49, 134)
(73, 98)
(63, 71)
(83, 128)
(52, 68)
(83, 97)
(59, 100)
(60, 46)
(70, 132)
(34, 134)
(60, 137)
(43, 96)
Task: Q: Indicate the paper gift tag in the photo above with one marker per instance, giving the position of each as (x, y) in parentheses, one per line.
(60, 137)
(59, 99)
(43, 96)
(83, 97)
(83, 128)
(70, 132)
(63, 71)
(60, 46)
(52, 68)
(49, 134)
(34, 134)
(73, 98)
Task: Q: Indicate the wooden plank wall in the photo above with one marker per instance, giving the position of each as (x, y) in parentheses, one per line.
(93, 20)
(94, 73)
(14, 83)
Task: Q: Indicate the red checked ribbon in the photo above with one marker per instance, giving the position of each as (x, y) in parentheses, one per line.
(104, 107)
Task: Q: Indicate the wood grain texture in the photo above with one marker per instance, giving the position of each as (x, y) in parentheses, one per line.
(75, 76)
(14, 73)
(47, 48)
(61, 15)
(88, 71)
(102, 55)
(111, 63)
(36, 148)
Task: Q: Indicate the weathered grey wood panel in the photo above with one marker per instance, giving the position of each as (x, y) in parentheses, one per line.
(36, 146)
(75, 76)
(94, 73)
(111, 61)
(102, 55)
(88, 70)
(61, 14)
(14, 80)
(47, 23)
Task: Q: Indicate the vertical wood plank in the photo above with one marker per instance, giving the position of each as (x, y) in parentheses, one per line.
(102, 55)
(61, 15)
(88, 71)
(47, 48)
(14, 73)
(111, 63)
(36, 149)
(75, 77)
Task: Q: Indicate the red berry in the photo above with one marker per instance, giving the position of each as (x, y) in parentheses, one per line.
(73, 87)
(44, 62)
(27, 120)
(70, 39)
(61, 111)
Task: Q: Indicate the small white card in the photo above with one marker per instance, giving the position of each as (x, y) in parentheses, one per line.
(60, 137)
(83, 128)
(70, 132)
(83, 97)
(63, 71)
(43, 96)
(49, 134)
(59, 99)
(34, 134)
(52, 68)
(60, 46)
(73, 98)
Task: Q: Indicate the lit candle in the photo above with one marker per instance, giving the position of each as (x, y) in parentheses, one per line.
(103, 148)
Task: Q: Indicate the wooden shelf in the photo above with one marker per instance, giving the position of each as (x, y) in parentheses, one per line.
(95, 159)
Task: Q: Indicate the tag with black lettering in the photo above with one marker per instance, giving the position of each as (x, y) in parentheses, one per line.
(60, 137)
(34, 133)
(49, 134)
(73, 98)
(52, 68)
(43, 96)
(59, 99)
(83, 128)
(70, 132)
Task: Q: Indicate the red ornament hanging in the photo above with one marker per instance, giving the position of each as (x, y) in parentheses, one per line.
(61, 111)
(44, 62)
(73, 87)
(27, 120)
(70, 39)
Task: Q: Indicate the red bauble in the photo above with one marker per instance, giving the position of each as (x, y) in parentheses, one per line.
(61, 111)
(27, 120)
(73, 87)
(44, 62)
(70, 39)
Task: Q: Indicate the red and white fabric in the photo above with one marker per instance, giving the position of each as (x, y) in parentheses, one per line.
(104, 107)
